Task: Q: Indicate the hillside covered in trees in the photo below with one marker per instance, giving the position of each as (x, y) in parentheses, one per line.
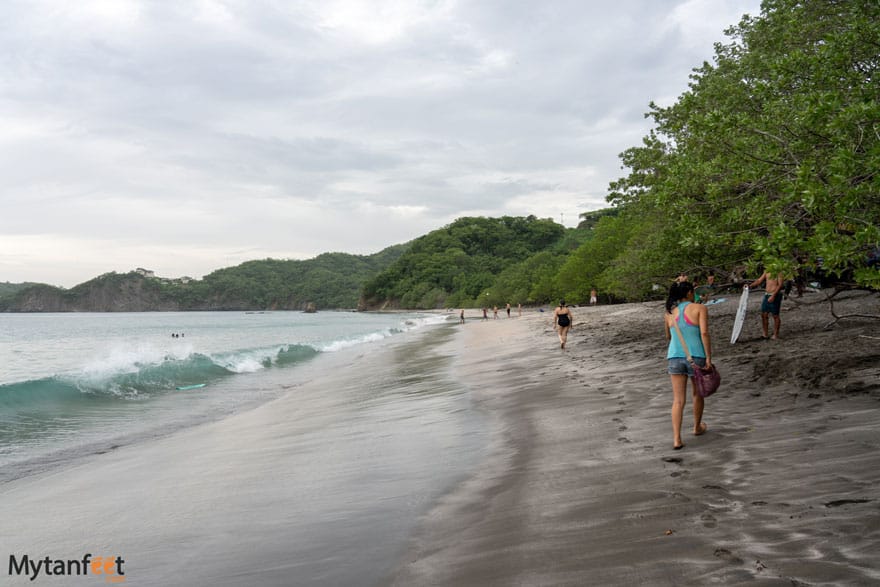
(473, 262)
(331, 280)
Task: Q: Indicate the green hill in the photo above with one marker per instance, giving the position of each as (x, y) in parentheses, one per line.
(330, 281)
(470, 262)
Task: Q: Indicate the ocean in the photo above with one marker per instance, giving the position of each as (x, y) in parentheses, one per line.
(277, 448)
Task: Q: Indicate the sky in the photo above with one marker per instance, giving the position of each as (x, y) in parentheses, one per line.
(184, 136)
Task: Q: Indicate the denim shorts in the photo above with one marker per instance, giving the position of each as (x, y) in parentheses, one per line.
(681, 366)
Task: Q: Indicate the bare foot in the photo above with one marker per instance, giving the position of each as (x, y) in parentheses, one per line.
(677, 447)
(701, 430)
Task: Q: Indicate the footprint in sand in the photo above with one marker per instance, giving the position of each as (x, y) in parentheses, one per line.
(672, 459)
(680, 473)
(624, 439)
(841, 502)
(709, 521)
(728, 556)
(622, 428)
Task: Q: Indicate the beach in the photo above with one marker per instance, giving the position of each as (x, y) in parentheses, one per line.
(483, 454)
(320, 485)
(583, 487)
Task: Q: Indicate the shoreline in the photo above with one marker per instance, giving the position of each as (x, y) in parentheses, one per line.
(583, 487)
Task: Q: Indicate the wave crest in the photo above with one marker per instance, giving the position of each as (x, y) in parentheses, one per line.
(141, 376)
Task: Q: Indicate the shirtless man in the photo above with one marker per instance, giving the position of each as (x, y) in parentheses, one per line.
(772, 302)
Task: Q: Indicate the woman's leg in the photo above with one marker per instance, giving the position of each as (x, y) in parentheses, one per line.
(679, 390)
(699, 402)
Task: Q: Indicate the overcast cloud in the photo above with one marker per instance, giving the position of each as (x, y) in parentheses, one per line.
(185, 136)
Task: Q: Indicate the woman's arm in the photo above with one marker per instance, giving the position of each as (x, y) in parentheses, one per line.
(704, 334)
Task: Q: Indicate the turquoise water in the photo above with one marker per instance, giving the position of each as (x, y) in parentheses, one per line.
(74, 382)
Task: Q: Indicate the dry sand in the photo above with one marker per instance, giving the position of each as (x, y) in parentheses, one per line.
(583, 487)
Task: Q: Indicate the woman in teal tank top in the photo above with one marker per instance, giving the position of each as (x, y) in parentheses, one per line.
(693, 322)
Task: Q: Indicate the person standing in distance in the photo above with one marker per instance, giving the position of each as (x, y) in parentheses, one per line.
(772, 301)
(562, 321)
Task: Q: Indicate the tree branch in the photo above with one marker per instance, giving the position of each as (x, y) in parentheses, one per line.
(837, 290)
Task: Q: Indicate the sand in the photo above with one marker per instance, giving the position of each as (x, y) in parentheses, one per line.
(583, 488)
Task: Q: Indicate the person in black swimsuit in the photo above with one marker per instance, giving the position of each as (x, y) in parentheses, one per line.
(562, 321)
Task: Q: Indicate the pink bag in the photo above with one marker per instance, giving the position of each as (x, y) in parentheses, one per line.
(706, 380)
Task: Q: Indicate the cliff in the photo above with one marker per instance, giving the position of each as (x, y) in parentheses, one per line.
(109, 293)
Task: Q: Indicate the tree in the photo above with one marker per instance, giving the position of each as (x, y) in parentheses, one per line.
(772, 155)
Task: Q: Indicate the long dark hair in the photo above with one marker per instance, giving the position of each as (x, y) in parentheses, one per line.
(678, 292)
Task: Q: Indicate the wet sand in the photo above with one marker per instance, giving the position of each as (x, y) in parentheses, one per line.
(583, 488)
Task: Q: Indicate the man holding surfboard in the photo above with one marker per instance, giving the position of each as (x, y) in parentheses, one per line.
(772, 302)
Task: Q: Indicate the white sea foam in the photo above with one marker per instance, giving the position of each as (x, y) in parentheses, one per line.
(344, 343)
(248, 362)
(119, 360)
(407, 324)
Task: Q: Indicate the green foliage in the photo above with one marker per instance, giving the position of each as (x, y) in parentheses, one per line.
(771, 158)
(589, 220)
(459, 264)
(8, 290)
(330, 280)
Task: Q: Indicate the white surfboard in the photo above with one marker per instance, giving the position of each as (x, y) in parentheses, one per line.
(740, 315)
